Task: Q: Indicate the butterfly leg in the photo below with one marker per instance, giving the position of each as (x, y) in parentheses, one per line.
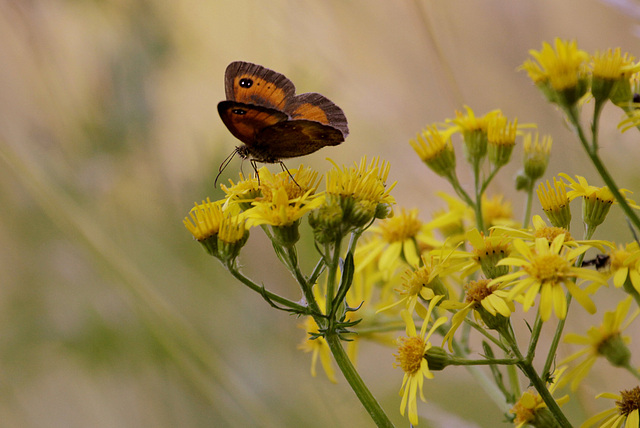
(284, 168)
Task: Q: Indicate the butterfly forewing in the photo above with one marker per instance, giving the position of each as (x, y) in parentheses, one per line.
(253, 84)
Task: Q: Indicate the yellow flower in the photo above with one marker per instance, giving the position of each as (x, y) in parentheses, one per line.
(204, 220)
(243, 192)
(280, 210)
(544, 270)
(530, 408)
(536, 155)
(474, 132)
(542, 230)
(398, 236)
(411, 358)
(501, 137)
(488, 302)
(422, 282)
(354, 198)
(435, 149)
(625, 413)
(451, 220)
(222, 234)
(561, 73)
(609, 68)
(603, 341)
(623, 265)
(555, 203)
(596, 200)
(362, 182)
(497, 211)
(487, 252)
(295, 182)
(319, 348)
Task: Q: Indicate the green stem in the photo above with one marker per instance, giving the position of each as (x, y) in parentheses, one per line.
(535, 335)
(592, 152)
(632, 370)
(485, 333)
(527, 368)
(527, 210)
(305, 285)
(484, 381)
(478, 205)
(489, 179)
(332, 274)
(456, 361)
(453, 179)
(367, 399)
(551, 355)
(272, 296)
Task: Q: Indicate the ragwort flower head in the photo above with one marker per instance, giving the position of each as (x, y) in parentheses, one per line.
(596, 200)
(243, 192)
(603, 341)
(560, 73)
(555, 203)
(399, 237)
(488, 251)
(536, 155)
(296, 182)
(489, 303)
(221, 233)
(411, 358)
(611, 68)
(355, 196)
(474, 130)
(624, 267)
(544, 270)
(436, 151)
(625, 413)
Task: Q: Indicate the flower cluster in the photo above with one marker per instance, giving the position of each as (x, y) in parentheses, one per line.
(462, 276)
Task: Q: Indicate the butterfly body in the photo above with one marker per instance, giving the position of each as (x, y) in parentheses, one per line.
(264, 113)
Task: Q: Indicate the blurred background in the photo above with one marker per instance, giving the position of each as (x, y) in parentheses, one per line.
(112, 316)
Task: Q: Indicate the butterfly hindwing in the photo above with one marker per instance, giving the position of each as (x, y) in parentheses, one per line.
(294, 138)
(316, 107)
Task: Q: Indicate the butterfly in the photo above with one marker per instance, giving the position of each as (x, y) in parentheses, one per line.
(273, 123)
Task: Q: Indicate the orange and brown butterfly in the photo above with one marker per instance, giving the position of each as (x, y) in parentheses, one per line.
(263, 111)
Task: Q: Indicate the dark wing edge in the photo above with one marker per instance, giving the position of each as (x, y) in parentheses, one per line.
(335, 115)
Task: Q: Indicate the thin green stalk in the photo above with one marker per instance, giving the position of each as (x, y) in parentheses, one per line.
(535, 335)
(272, 296)
(478, 205)
(486, 383)
(332, 274)
(592, 152)
(527, 210)
(367, 399)
(551, 355)
(453, 179)
(456, 361)
(485, 333)
(632, 370)
(527, 368)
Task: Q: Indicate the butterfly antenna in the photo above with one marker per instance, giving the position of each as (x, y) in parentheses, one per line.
(284, 168)
(224, 165)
